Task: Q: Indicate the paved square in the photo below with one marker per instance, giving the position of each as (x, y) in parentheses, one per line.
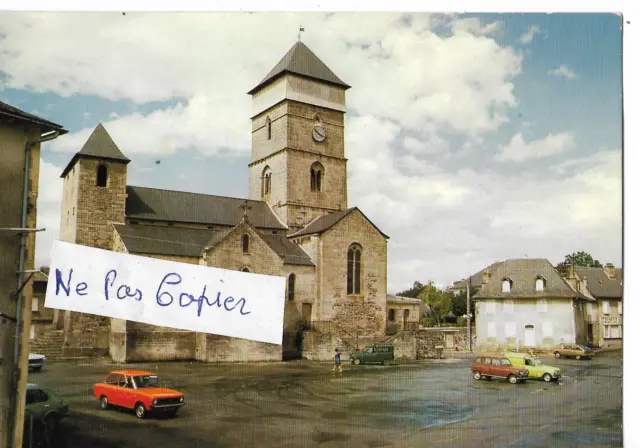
(300, 404)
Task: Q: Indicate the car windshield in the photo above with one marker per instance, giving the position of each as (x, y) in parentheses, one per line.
(146, 381)
(583, 347)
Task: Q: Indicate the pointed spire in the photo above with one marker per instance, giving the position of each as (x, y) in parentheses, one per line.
(100, 144)
(300, 60)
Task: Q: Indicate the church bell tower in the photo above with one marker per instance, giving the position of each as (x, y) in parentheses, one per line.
(297, 145)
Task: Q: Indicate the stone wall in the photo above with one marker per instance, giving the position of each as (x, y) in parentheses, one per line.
(320, 346)
(363, 314)
(426, 342)
(214, 348)
(405, 346)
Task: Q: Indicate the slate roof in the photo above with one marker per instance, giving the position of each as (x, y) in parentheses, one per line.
(476, 279)
(11, 113)
(99, 144)
(399, 299)
(523, 273)
(180, 206)
(164, 240)
(289, 251)
(599, 283)
(324, 223)
(300, 60)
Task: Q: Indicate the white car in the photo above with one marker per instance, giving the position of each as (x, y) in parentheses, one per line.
(36, 362)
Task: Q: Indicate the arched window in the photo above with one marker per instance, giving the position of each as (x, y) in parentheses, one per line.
(317, 172)
(392, 315)
(245, 269)
(354, 269)
(245, 244)
(291, 292)
(101, 176)
(266, 181)
(540, 284)
(506, 285)
(268, 128)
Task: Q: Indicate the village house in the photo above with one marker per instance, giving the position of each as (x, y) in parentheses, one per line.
(21, 135)
(527, 303)
(296, 223)
(403, 314)
(604, 317)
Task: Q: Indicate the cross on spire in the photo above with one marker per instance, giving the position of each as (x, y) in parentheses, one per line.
(245, 210)
(300, 30)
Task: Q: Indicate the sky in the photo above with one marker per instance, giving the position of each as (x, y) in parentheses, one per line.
(471, 138)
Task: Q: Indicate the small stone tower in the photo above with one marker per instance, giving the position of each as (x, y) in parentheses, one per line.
(94, 192)
(297, 156)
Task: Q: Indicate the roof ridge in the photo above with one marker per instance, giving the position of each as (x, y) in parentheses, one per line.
(199, 194)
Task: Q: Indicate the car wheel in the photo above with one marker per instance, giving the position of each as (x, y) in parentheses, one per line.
(104, 403)
(578, 357)
(173, 412)
(512, 379)
(557, 354)
(476, 375)
(140, 410)
(356, 361)
(547, 377)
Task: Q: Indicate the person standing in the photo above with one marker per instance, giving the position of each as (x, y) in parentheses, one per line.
(337, 360)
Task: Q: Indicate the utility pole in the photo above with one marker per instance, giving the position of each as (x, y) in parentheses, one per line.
(469, 314)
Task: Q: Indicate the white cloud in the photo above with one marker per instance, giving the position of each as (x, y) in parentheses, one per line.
(528, 36)
(420, 78)
(565, 71)
(473, 25)
(517, 150)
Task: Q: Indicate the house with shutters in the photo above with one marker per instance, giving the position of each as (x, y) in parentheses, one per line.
(295, 223)
(604, 316)
(526, 303)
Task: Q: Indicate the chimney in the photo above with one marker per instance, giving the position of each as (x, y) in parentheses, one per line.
(570, 271)
(610, 270)
(485, 276)
(571, 277)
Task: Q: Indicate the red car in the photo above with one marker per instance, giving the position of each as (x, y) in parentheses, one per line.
(138, 390)
(489, 366)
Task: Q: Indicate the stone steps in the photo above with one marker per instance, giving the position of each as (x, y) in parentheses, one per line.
(49, 344)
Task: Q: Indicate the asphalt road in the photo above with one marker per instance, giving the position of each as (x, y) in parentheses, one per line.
(304, 404)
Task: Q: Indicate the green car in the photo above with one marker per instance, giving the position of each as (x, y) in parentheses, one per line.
(374, 354)
(534, 365)
(44, 409)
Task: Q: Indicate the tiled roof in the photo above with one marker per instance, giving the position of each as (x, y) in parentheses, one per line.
(11, 113)
(523, 273)
(180, 206)
(300, 60)
(164, 240)
(324, 223)
(599, 283)
(99, 144)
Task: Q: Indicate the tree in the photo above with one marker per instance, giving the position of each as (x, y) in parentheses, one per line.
(413, 291)
(579, 258)
(459, 304)
(439, 302)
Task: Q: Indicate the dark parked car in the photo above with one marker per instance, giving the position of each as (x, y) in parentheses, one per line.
(36, 362)
(374, 354)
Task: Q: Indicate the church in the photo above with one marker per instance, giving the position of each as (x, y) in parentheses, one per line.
(295, 223)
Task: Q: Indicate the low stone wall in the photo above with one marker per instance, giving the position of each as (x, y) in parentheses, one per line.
(86, 335)
(214, 348)
(405, 346)
(426, 342)
(144, 345)
(317, 346)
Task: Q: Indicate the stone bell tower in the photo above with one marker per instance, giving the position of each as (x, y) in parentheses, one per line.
(297, 154)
